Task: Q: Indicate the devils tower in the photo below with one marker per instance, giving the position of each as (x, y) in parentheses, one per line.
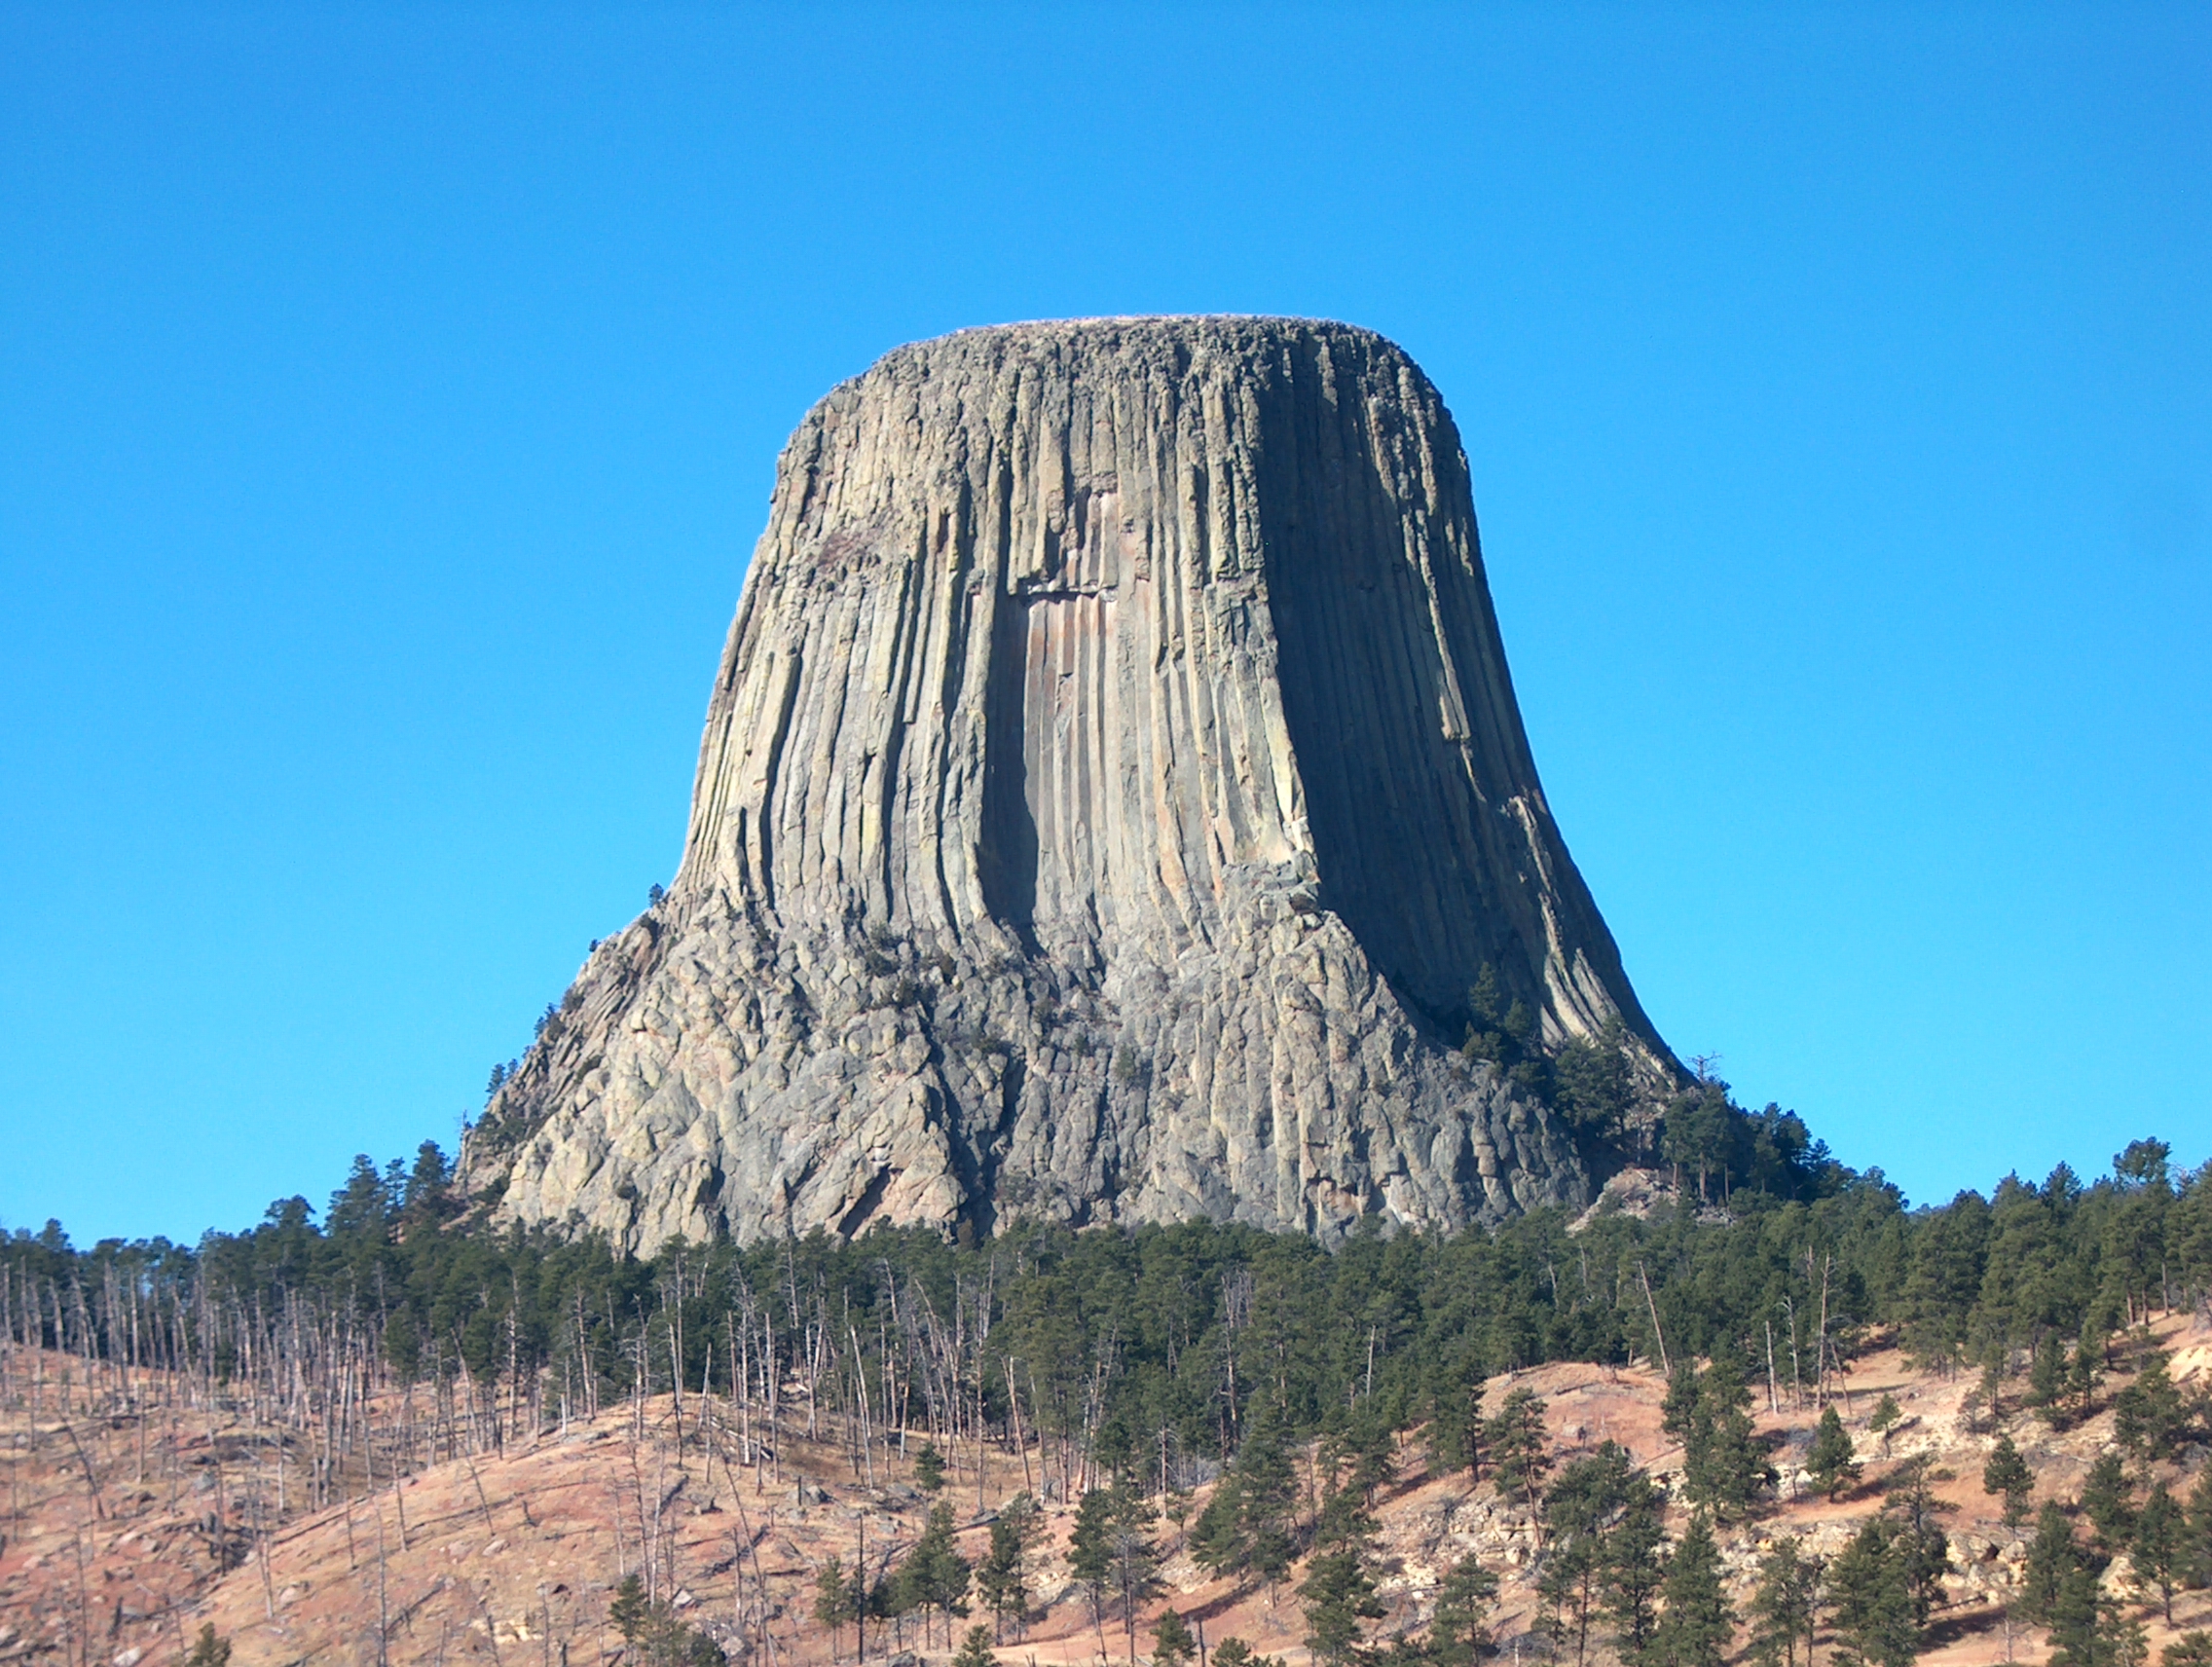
(1111, 790)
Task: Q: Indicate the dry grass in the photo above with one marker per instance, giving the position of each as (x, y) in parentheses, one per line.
(116, 1525)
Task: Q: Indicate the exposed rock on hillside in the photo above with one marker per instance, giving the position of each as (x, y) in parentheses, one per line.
(476, 1558)
(1111, 788)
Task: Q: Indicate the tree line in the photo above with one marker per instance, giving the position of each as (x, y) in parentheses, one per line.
(1135, 1363)
(1151, 1351)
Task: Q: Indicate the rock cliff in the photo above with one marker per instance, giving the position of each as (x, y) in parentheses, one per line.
(1112, 787)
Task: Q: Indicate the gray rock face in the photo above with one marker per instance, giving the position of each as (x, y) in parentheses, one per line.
(1110, 789)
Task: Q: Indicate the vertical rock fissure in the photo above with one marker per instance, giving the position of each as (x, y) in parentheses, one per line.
(1009, 847)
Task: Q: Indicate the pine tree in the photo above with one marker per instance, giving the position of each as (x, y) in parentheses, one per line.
(1518, 1459)
(1460, 1633)
(1235, 1652)
(832, 1601)
(1368, 1452)
(2008, 1473)
(1885, 1418)
(2075, 1614)
(1175, 1507)
(2156, 1557)
(1090, 1554)
(1786, 1605)
(2121, 1639)
(2107, 1500)
(1700, 1130)
(1591, 1084)
(1680, 1409)
(886, 1600)
(2086, 1369)
(1830, 1463)
(1723, 1464)
(2046, 1378)
(1698, 1625)
(1218, 1540)
(627, 1609)
(1002, 1579)
(929, 1468)
(1337, 1595)
(1992, 1389)
(1171, 1642)
(935, 1575)
(1569, 1582)
(1456, 1421)
(1339, 1589)
(209, 1650)
(2197, 1539)
(1633, 1570)
(1584, 1499)
(1267, 1491)
(2052, 1556)
(975, 1650)
(428, 1198)
(655, 1635)
(1736, 1470)
(1134, 1558)
(1871, 1602)
(1922, 1547)
(363, 1208)
(2189, 1650)
(2150, 1416)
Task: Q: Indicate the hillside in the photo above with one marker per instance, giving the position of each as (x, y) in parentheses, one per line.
(118, 1518)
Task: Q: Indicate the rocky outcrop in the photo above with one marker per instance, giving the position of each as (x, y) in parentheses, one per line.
(1111, 788)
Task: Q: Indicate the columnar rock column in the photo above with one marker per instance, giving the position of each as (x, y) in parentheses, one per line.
(1111, 790)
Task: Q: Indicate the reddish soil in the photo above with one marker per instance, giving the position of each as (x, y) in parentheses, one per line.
(108, 1557)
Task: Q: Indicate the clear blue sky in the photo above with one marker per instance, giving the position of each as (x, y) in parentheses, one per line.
(389, 401)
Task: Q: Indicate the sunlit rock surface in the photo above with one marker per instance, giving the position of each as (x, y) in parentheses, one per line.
(1110, 789)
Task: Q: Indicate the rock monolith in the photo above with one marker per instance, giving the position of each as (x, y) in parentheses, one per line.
(1111, 788)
